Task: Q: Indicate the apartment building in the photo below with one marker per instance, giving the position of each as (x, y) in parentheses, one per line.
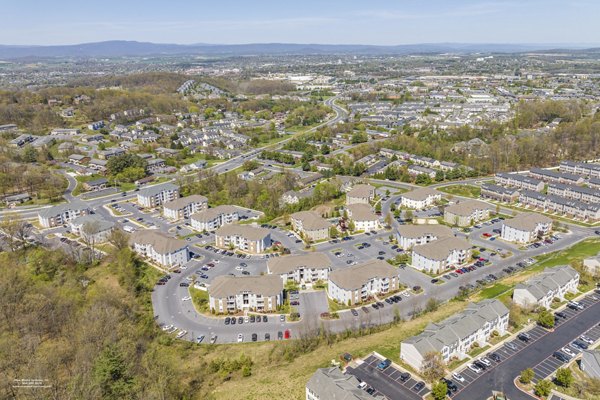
(311, 225)
(62, 213)
(155, 196)
(499, 193)
(213, 218)
(548, 175)
(580, 193)
(467, 213)
(330, 383)
(92, 228)
(420, 199)
(246, 238)
(184, 207)
(357, 283)
(525, 228)
(363, 217)
(439, 255)
(519, 181)
(303, 268)
(413, 235)
(160, 248)
(541, 289)
(360, 194)
(229, 294)
(455, 336)
(580, 168)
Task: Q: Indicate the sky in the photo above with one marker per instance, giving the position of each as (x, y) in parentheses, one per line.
(378, 22)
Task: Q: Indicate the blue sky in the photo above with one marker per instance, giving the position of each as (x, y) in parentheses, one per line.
(384, 22)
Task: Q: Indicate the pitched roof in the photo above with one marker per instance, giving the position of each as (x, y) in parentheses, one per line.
(332, 384)
(361, 212)
(550, 280)
(184, 201)
(440, 249)
(354, 277)
(283, 265)
(527, 221)
(160, 242)
(61, 208)
(417, 231)
(467, 207)
(420, 194)
(361, 190)
(311, 220)
(227, 285)
(246, 231)
(212, 213)
(154, 190)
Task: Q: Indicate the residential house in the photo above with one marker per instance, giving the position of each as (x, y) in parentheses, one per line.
(330, 383)
(230, 294)
(499, 193)
(246, 238)
(543, 288)
(96, 184)
(358, 283)
(519, 181)
(455, 336)
(160, 248)
(548, 175)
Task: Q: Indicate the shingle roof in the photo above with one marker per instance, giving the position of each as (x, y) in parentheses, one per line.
(283, 265)
(61, 208)
(527, 221)
(440, 249)
(417, 231)
(160, 242)
(550, 280)
(420, 194)
(467, 207)
(227, 285)
(246, 231)
(212, 213)
(354, 277)
(311, 220)
(332, 384)
(184, 201)
(154, 190)
(361, 190)
(361, 212)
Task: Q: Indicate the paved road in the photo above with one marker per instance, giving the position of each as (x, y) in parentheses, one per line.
(501, 376)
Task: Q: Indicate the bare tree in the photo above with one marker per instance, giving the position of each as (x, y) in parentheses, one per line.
(434, 367)
(16, 230)
(119, 239)
(89, 235)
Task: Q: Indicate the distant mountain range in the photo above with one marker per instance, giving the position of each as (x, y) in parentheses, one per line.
(121, 48)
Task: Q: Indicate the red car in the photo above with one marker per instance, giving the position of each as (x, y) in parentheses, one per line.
(459, 271)
(287, 334)
(487, 234)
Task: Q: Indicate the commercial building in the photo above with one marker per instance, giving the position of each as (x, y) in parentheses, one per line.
(455, 336)
(246, 238)
(213, 218)
(360, 194)
(229, 294)
(526, 228)
(467, 213)
(437, 256)
(184, 206)
(311, 225)
(304, 268)
(160, 248)
(419, 199)
(157, 195)
(331, 384)
(62, 213)
(541, 289)
(356, 284)
(412, 235)
(363, 217)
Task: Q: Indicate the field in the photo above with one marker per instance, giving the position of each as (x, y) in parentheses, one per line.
(462, 190)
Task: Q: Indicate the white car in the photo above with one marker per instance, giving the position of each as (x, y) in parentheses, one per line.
(485, 361)
(239, 268)
(181, 334)
(458, 377)
(568, 352)
(474, 368)
(167, 327)
(586, 339)
(186, 298)
(240, 338)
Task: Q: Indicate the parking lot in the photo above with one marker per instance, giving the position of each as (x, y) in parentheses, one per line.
(391, 382)
(537, 352)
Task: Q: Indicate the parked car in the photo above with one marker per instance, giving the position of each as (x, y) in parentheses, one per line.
(458, 377)
(524, 336)
(474, 368)
(419, 386)
(240, 338)
(384, 364)
(404, 376)
(560, 356)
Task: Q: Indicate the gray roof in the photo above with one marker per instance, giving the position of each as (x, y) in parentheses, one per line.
(354, 277)
(246, 231)
(417, 231)
(103, 225)
(458, 327)
(61, 208)
(161, 243)
(226, 285)
(184, 201)
(212, 213)
(440, 249)
(467, 207)
(362, 191)
(420, 194)
(590, 363)
(154, 190)
(311, 220)
(550, 280)
(331, 384)
(361, 212)
(284, 265)
(527, 221)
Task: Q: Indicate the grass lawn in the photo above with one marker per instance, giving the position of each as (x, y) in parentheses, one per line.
(478, 350)
(200, 300)
(462, 190)
(334, 306)
(587, 248)
(494, 291)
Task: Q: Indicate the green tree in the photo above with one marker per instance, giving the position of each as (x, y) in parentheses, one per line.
(564, 377)
(359, 137)
(439, 390)
(543, 388)
(527, 376)
(30, 154)
(408, 215)
(118, 164)
(546, 319)
(111, 374)
(433, 366)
